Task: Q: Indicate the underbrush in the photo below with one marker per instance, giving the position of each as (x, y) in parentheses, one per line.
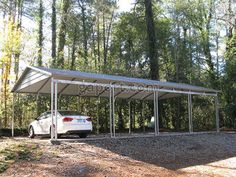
(7, 132)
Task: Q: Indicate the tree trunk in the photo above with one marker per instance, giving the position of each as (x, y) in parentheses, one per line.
(190, 57)
(107, 39)
(207, 53)
(40, 33)
(98, 42)
(120, 116)
(72, 67)
(217, 56)
(62, 33)
(93, 51)
(206, 45)
(151, 35)
(19, 26)
(104, 40)
(85, 37)
(54, 26)
(177, 78)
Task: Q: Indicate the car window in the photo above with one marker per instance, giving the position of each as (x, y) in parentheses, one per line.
(47, 116)
(42, 114)
(72, 113)
(48, 112)
(41, 117)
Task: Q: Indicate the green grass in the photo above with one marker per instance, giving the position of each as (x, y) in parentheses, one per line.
(3, 166)
(17, 152)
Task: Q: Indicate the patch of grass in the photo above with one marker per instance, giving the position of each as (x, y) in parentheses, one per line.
(3, 166)
(16, 152)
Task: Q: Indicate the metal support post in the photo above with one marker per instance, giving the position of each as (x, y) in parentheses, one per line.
(142, 114)
(55, 111)
(156, 113)
(130, 112)
(190, 113)
(52, 104)
(113, 111)
(98, 103)
(154, 109)
(13, 115)
(110, 106)
(217, 114)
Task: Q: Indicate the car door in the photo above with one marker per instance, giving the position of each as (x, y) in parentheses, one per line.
(41, 124)
(47, 123)
(38, 125)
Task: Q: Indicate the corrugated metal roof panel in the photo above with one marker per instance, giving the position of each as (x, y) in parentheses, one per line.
(131, 80)
(44, 85)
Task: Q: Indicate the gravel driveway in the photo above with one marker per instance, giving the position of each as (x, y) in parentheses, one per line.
(183, 155)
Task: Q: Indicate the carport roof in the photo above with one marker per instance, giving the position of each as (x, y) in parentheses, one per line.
(38, 79)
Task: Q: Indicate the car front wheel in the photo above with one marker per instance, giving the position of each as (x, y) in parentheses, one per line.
(31, 132)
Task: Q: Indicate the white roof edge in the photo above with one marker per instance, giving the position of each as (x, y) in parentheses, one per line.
(39, 70)
(24, 72)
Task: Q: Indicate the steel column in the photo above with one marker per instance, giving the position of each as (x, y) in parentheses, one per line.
(13, 115)
(190, 113)
(52, 104)
(130, 112)
(113, 111)
(156, 113)
(98, 126)
(55, 111)
(142, 114)
(110, 106)
(154, 109)
(217, 114)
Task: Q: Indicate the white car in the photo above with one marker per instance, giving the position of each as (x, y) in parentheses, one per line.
(68, 122)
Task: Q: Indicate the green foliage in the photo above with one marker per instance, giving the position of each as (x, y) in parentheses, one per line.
(16, 152)
(7, 132)
(3, 166)
(229, 93)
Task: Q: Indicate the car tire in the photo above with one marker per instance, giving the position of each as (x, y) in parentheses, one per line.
(31, 132)
(83, 135)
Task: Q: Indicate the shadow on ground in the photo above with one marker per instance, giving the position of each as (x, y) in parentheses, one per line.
(173, 152)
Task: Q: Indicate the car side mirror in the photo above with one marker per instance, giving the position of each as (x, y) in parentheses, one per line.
(36, 119)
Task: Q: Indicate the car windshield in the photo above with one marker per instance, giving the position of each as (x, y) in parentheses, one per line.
(71, 113)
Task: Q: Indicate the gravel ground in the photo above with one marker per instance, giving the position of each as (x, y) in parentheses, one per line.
(183, 155)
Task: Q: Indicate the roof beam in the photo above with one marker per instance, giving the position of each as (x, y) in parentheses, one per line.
(105, 89)
(134, 94)
(134, 87)
(147, 96)
(164, 94)
(43, 85)
(67, 85)
(119, 93)
(84, 90)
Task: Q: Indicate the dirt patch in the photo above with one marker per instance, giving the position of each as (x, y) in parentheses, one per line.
(185, 155)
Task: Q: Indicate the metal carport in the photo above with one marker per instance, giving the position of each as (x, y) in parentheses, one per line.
(40, 80)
